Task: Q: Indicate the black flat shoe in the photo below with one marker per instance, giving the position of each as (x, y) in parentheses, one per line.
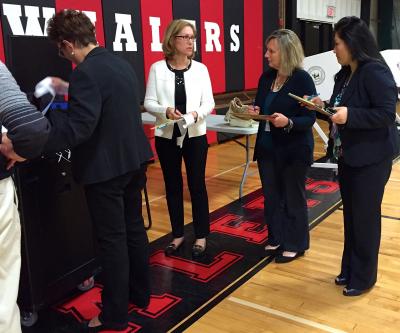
(341, 280)
(281, 259)
(172, 249)
(354, 292)
(198, 250)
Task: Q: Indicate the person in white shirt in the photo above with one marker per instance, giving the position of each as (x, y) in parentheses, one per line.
(179, 95)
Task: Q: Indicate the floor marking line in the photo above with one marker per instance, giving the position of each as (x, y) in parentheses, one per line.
(285, 315)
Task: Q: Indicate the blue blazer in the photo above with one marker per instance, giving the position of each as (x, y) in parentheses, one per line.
(298, 144)
(370, 134)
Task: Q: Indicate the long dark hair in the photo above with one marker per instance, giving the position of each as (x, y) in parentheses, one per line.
(359, 40)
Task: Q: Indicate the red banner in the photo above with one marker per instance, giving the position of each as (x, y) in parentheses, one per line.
(253, 42)
(92, 8)
(155, 19)
(212, 36)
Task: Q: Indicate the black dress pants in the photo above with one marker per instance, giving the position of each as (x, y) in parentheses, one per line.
(116, 210)
(362, 191)
(194, 153)
(285, 203)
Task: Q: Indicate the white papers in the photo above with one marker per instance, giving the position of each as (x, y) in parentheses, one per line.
(188, 120)
(45, 87)
(392, 58)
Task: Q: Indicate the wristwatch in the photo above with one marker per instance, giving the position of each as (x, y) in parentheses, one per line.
(289, 126)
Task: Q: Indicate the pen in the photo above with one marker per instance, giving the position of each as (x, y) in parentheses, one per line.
(161, 125)
(309, 98)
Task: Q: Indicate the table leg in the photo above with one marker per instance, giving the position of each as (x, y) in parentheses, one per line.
(246, 167)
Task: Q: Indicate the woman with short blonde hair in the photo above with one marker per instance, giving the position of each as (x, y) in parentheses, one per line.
(179, 95)
(173, 30)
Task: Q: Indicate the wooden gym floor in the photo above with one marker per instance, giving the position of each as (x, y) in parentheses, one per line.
(299, 296)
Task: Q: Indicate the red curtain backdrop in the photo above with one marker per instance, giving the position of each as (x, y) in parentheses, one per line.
(163, 10)
(253, 42)
(87, 5)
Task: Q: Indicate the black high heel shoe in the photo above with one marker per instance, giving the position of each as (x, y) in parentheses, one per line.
(354, 292)
(198, 250)
(102, 327)
(341, 280)
(171, 248)
(281, 259)
(270, 252)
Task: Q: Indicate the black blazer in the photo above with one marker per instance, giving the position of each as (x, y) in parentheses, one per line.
(370, 134)
(298, 144)
(103, 124)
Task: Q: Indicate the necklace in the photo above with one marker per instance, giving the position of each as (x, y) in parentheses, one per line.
(276, 86)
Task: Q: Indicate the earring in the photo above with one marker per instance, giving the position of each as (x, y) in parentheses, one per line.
(72, 53)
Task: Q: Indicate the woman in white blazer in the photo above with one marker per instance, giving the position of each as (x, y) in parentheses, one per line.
(179, 95)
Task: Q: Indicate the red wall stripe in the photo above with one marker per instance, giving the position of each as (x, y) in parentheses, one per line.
(213, 11)
(88, 5)
(253, 42)
(163, 10)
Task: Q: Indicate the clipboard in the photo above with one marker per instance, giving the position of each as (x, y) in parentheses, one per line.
(248, 116)
(326, 111)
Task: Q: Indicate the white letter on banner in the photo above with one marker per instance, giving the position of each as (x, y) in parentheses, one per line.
(235, 44)
(13, 14)
(124, 31)
(212, 35)
(91, 15)
(155, 23)
(33, 27)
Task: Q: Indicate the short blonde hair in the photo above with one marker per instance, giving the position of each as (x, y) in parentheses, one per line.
(173, 30)
(291, 50)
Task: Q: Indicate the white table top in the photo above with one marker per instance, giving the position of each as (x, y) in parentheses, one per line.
(215, 123)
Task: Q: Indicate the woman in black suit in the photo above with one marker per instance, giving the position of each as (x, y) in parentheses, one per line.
(284, 146)
(365, 137)
(103, 127)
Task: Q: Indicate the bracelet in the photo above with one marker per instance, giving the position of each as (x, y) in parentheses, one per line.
(289, 126)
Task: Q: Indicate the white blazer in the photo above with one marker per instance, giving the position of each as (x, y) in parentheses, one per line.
(160, 94)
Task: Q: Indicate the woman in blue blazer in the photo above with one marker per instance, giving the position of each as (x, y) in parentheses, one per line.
(365, 136)
(284, 146)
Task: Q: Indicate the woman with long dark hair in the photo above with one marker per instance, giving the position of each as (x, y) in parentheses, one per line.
(365, 141)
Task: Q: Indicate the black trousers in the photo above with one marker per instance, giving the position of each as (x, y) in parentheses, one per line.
(285, 203)
(362, 191)
(194, 153)
(116, 209)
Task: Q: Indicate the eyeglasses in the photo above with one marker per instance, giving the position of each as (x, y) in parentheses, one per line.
(187, 38)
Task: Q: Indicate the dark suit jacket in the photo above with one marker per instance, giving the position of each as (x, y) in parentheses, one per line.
(298, 144)
(370, 134)
(103, 124)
